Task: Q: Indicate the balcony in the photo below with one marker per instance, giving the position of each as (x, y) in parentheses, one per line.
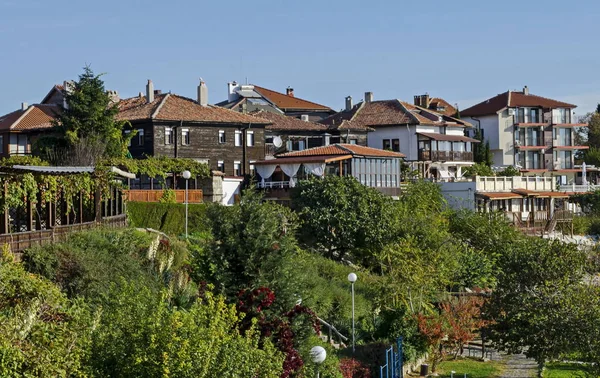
(445, 156)
(507, 184)
(270, 149)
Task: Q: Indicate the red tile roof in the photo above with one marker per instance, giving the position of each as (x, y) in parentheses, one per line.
(286, 102)
(436, 102)
(392, 113)
(304, 159)
(512, 99)
(343, 149)
(35, 117)
(173, 107)
(282, 122)
(499, 195)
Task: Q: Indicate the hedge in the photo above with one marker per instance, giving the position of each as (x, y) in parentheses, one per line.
(167, 217)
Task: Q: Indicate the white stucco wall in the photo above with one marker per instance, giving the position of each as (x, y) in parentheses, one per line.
(231, 187)
(408, 139)
(455, 130)
(506, 140)
(491, 133)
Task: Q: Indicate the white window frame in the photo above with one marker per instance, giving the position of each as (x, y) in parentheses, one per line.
(237, 166)
(221, 166)
(252, 168)
(249, 138)
(238, 138)
(222, 138)
(140, 136)
(185, 137)
(168, 135)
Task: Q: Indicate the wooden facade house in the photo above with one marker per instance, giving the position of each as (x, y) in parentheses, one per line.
(175, 126)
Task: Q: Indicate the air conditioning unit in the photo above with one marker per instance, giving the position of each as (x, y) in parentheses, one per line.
(517, 143)
(511, 111)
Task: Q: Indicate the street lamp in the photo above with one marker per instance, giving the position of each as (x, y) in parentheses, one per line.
(318, 355)
(186, 175)
(352, 277)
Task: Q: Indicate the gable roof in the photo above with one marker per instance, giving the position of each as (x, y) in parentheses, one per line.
(35, 117)
(172, 107)
(286, 102)
(343, 149)
(512, 99)
(283, 122)
(392, 113)
(436, 102)
(57, 89)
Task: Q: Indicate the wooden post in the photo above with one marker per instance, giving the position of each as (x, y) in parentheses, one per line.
(98, 205)
(6, 218)
(80, 206)
(340, 168)
(29, 214)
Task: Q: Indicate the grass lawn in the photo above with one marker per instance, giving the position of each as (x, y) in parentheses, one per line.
(561, 370)
(473, 368)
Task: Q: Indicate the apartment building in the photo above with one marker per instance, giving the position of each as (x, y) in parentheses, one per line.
(530, 132)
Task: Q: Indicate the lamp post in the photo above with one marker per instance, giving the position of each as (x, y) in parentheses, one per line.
(186, 175)
(352, 277)
(318, 355)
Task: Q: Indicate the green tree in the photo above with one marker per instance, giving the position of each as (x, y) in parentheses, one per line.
(527, 306)
(340, 216)
(87, 126)
(509, 172)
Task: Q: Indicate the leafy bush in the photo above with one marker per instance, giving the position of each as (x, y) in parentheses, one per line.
(139, 335)
(89, 262)
(42, 334)
(509, 172)
(167, 217)
(478, 169)
(168, 196)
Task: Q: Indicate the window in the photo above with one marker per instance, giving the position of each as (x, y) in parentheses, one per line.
(238, 138)
(168, 135)
(250, 138)
(237, 168)
(252, 170)
(140, 137)
(221, 166)
(221, 136)
(127, 132)
(387, 144)
(353, 141)
(396, 145)
(19, 144)
(185, 137)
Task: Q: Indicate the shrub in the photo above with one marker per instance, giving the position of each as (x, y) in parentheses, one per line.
(168, 196)
(167, 217)
(352, 368)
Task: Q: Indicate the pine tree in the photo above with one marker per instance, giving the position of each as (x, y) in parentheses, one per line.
(88, 122)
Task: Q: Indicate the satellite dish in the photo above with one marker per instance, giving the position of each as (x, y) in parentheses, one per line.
(277, 142)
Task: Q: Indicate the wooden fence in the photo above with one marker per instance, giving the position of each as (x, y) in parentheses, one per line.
(20, 241)
(137, 195)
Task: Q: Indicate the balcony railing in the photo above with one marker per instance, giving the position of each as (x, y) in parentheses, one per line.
(270, 149)
(445, 156)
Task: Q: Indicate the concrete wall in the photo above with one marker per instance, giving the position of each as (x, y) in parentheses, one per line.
(506, 136)
(408, 139)
(460, 195)
(491, 133)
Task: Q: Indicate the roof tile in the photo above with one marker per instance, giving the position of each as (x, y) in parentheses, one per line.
(342, 149)
(512, 99)
(284, 101)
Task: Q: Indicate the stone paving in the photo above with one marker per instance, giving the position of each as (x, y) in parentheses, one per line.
(519, 366)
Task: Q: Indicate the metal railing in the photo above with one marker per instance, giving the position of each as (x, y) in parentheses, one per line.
(274, 184)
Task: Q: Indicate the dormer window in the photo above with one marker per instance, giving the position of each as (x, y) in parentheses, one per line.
(441, 109)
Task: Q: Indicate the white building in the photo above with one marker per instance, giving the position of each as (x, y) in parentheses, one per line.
(532, 133)
(434, 143)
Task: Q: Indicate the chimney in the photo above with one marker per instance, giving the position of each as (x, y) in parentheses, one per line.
(368, 97)
(231, 88)
(304, 117)
(526, 91)
(149, 92)
(67, 87)
(349, 103)
(202, 93)
(141, 94)
(24, 106)
(422, 100)
(114, 96)
(289, 91)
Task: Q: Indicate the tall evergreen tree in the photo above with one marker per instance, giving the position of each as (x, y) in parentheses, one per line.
(87, 124)
(481, 150)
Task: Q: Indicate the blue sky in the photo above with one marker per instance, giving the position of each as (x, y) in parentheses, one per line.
(463, 50)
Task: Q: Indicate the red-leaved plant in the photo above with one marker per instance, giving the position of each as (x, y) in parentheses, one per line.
(352, 368)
